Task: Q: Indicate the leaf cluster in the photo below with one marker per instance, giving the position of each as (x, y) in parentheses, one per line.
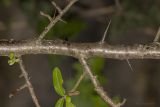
(57, 83)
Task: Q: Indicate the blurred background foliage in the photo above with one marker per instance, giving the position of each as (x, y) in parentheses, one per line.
(137, 13)
(135, 16)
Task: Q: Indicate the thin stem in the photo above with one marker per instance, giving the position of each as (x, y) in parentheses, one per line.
(17, 90)
(78, 82)
(29, 85)
(96, 84)
(46, 15)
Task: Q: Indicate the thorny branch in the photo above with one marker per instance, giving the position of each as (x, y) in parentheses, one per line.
(56, 19)
(28, 83)
(96, 84)
(81, 51)
(59, 47)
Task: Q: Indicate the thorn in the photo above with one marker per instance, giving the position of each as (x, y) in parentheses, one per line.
(157, 36)
(46, 15)
(63, 21)
(13, 93)
(56, 6)
(130, 65)
(105, 33)
(122, 103)
(22, 87)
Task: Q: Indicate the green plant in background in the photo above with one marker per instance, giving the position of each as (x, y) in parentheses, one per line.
(88, 97)
(70, 29)
(135, 16)
(57, 83)
(12, 59)
(6, 2)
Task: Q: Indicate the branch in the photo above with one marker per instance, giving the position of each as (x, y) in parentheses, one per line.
(29, 85)
(46, 15)
(57, 7)
(59, 47)
(56, 19)
(96, 84)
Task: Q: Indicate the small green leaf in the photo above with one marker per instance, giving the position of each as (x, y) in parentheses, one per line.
(68, 99)
(58, 81)
(68, 102)
(12, 59)
(11, 55)
(60, 102)
(11, 62)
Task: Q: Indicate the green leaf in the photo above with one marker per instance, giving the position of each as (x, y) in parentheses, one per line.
(60, 102)
(11, 55)
(68, 102)
(11, 62)
(68, 99)
(58, 81)
(12, 59)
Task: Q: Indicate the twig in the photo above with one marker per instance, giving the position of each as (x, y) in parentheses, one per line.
(78, 82)
(157, 36)
(29, 85)
(63, 21)
(17, 90)
(56, 6)
(96, 84)
(55, 20)
(105, 33)
(46, 15)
